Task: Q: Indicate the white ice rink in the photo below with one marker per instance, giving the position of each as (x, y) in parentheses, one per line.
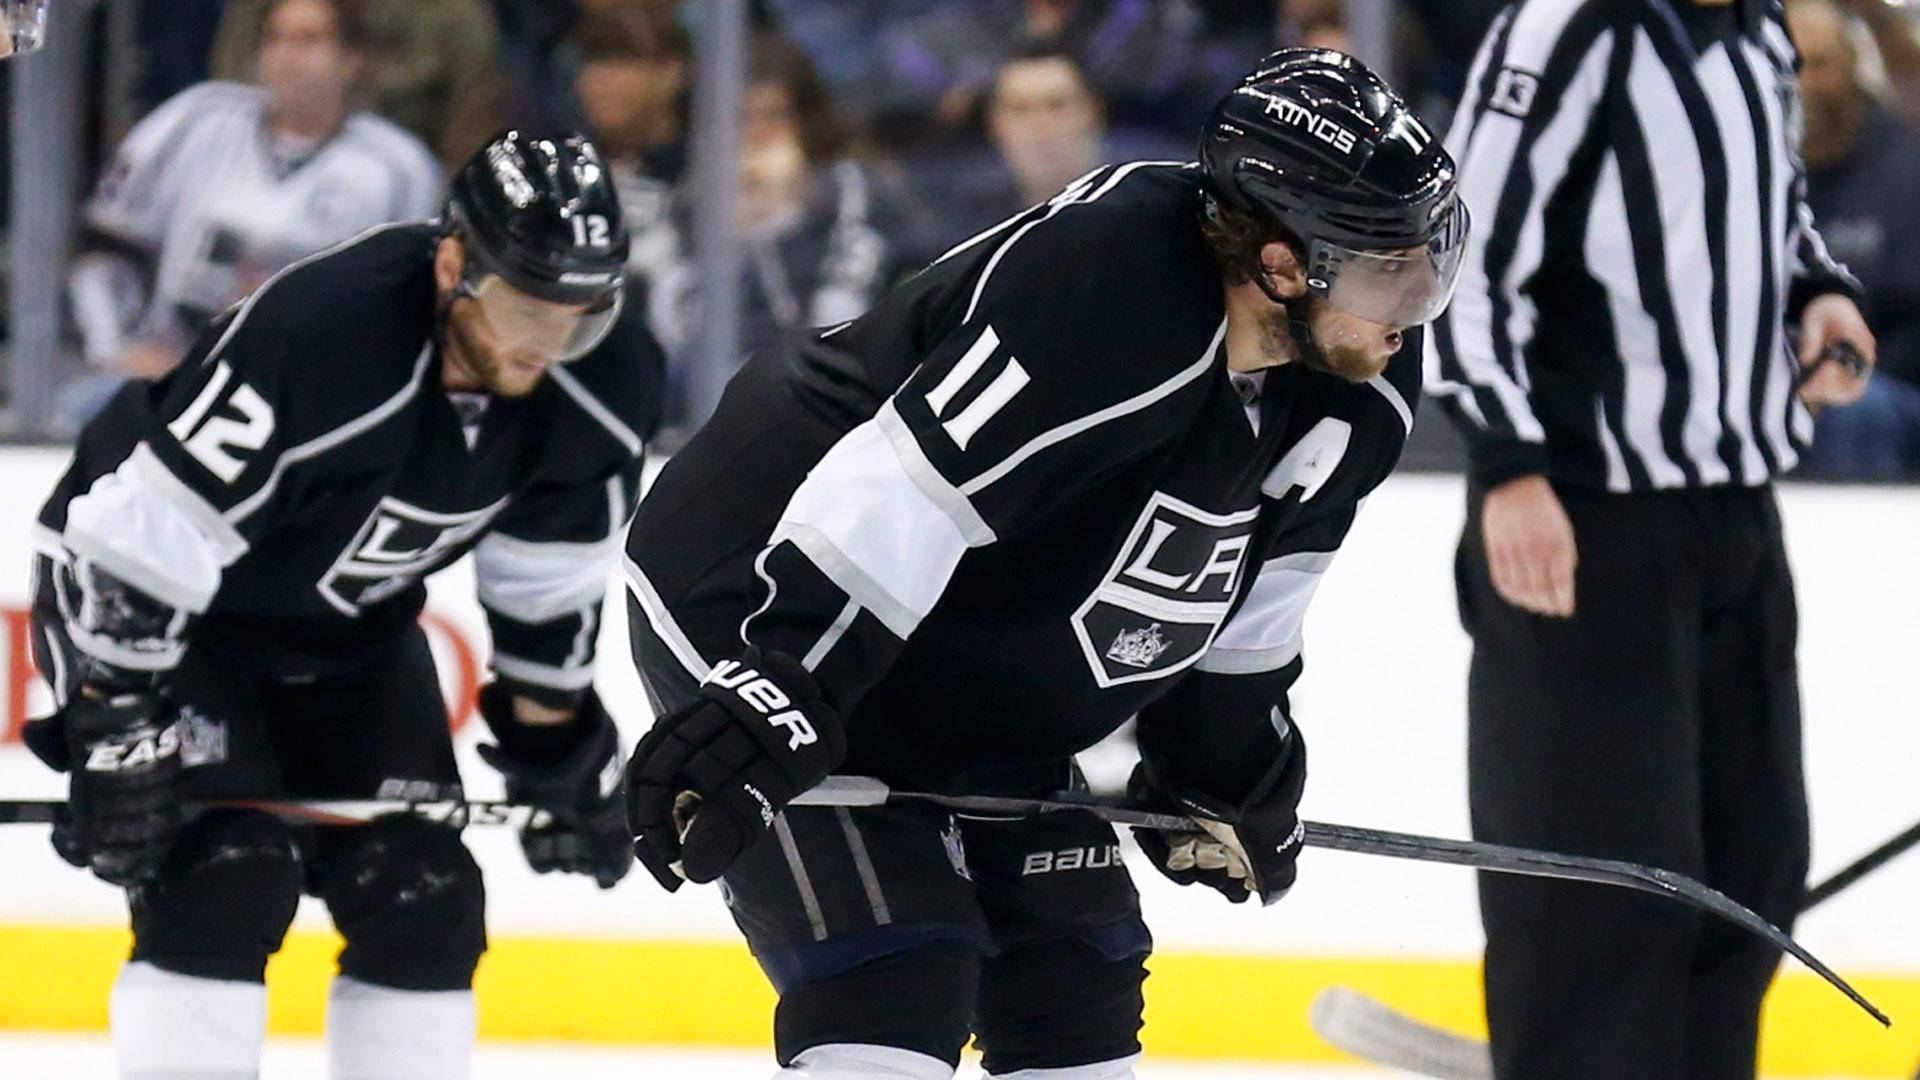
(1381, 703)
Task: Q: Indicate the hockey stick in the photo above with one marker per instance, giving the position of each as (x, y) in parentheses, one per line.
(1861, 867)
(325, 811)
(1374, 1031)
(864, 791)
(1371, 1029)
(861, 791)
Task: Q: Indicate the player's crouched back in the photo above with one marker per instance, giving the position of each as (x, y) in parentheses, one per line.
(230, 578)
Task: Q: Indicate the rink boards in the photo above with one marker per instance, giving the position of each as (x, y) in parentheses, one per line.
(1381, 705)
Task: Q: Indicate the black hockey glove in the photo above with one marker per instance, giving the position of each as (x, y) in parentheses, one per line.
(1240, 851)
(706, 782)
(123, 802)
(570, 770)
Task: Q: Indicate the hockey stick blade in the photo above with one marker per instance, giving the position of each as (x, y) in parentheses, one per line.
(458, 812)
(1367, 1029)
(1497, 858)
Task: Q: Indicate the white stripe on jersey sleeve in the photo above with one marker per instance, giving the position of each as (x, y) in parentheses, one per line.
(538, 674)
(141, 524)
(1265, 634)
(662, 622)
(535, 582)
(869, 521)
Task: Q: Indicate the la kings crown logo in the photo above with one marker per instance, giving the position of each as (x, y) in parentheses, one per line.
(1159, 605)
(1138, 648)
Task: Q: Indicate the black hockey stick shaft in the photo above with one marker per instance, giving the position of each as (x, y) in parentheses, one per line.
(1864, 865)
(1498, 858)
(864, 791)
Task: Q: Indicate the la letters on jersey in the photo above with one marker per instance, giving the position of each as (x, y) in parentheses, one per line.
(1157, 608)
(398, 545)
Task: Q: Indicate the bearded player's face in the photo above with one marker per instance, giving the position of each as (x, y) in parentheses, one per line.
(498, 336)
(1351, 347)
(499, 368)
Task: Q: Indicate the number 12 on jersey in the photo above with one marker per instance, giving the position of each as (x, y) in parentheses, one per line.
(210, 438)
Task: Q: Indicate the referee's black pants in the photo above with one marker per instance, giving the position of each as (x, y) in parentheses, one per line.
(1660, 724)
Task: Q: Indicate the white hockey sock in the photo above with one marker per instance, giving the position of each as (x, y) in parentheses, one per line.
(379, 1033)
(168, 1026)
(863, 1061)
(1117, 1069)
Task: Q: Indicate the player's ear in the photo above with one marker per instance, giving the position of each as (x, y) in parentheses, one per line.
(449, 259)
(1283, 269)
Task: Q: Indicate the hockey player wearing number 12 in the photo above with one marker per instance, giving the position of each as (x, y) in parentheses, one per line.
(229, 581)
(1087, 466)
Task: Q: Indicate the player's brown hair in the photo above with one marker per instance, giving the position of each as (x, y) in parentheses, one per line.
(1235, 238)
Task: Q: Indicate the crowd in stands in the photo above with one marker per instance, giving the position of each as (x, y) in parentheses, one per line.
(878, 133)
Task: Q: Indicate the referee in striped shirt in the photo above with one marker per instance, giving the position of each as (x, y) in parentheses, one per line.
(1621, 357)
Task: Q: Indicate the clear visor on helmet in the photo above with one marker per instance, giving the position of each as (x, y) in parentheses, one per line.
(520, 322)
(1400, 288)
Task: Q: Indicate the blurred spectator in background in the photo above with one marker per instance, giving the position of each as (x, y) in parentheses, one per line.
(843, 36)
(226, 183)
(538, 70)
(1436, 46)
(433, 66)
(635, 71)
(1889, 52)
(824, 233)
(635, 66)
(176, 37)
(1045, 127)
(932, 72)
(1862, 164)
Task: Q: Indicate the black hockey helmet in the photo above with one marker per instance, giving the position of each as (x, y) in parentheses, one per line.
(1315, 141)
(542, 215)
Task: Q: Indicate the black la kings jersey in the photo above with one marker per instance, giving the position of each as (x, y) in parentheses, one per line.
(1021, 501)
(302, 471)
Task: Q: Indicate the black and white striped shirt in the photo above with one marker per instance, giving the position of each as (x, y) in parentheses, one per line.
(1643, 238)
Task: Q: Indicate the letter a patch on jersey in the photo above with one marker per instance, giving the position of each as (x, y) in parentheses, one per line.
(1159, 605)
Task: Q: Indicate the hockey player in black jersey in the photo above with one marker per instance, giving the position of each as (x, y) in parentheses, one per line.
(228, 585)
(1088, 466)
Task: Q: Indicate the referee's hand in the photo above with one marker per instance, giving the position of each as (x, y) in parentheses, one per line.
(1530, 552)
(1831, 320)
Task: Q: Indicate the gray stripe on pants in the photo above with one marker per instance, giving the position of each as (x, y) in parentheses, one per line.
(864, 864)
(800, 879)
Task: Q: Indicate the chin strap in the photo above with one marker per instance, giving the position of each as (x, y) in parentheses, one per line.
(1297, 324)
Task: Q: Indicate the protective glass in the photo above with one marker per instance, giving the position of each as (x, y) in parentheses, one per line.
(519, 321)
(24, 28)
(1408, 287)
